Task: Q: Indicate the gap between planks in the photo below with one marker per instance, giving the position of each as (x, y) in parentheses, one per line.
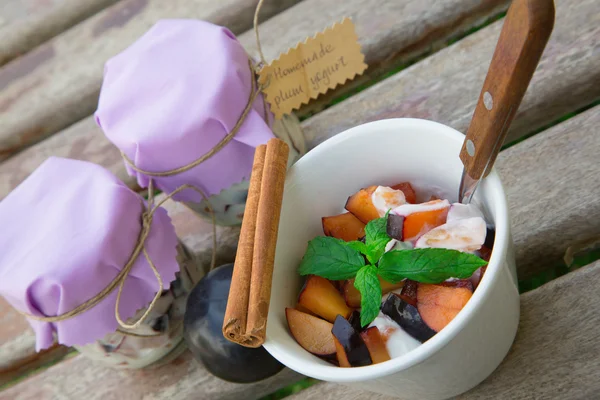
(25, 24)
(546, 154)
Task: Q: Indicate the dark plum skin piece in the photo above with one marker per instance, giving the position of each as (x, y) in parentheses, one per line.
(407, 316)
(490, 236)
(460, 283)
(203, 323)
(354, 321)
(395, 226)
(409, 292)
(355, 348)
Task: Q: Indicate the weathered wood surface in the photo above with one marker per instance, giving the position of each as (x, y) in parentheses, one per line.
(83, 141)
(415, 92)
(551, 180)
(390, 33)
(27, 360)
(555, 355)
(541, 166)
(445, 86)
(184, 378)
(25, 24)
(57, 84)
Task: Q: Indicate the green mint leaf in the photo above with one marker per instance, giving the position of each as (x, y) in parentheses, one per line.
(358, 246)
(330, 258)
(428, 265)
(376, 230)
(369, 287)
(376, 238)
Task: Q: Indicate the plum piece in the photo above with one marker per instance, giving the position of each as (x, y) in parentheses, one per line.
(409, 292)
(439, 304)
(477, 276)
(344, 226)
(322, 298)
(312, 333)
(354, 320)
(352, 295)
(407, 316)
(459, 283)
(342, 358)
(395, 226)
(421, 218)
(351, 349)
(407, 189)
(490, 236)
(305, 310)
(203, 323)
(375, 344)
(361, 205)
(484, 253)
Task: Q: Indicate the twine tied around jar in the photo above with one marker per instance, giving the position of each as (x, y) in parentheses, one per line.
(150, 209)
(119, 281)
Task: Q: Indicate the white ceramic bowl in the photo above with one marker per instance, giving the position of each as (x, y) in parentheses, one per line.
(384, 152)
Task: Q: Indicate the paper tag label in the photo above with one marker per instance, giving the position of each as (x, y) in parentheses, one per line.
(312, 68)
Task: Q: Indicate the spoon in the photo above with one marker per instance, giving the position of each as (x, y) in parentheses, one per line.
(524, 35)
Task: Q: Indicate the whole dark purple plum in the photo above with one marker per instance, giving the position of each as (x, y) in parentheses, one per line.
(203, 322)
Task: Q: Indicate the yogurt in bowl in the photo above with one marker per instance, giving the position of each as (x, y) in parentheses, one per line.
(385, 152)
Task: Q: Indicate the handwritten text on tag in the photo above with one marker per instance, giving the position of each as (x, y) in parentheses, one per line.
(312, 68)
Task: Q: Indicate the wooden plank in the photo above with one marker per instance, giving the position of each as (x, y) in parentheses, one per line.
(555, 354)
(62, 79)
(58, 83)
(390, 33)
(25, 24)
(83, 140)
(78, 378)
(551, 184)
(445, 86)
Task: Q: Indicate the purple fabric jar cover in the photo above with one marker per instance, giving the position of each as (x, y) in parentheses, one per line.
(67, 232)
(172, 96)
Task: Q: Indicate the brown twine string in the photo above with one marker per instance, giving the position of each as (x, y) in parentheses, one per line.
(119, 280)
(253, 94)
(260, 52)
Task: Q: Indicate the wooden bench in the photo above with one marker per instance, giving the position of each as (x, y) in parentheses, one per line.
(427, 59)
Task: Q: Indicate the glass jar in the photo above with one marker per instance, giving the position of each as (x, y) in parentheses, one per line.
(159, 339)
(228, 205)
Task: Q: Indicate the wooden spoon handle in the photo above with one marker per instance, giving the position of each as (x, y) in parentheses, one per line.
(526, 31)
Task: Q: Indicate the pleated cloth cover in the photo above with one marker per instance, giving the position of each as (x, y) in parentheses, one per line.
(172, 96)
(67, 231)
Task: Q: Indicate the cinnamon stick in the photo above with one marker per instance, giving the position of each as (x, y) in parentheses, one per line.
(234, 324)
(249, 297)
(265, 240)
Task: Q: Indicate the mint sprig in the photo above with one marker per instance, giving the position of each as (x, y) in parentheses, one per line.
(336, 259)
(331, 258)
(369, 287)
(376, 238)
(427, 265)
